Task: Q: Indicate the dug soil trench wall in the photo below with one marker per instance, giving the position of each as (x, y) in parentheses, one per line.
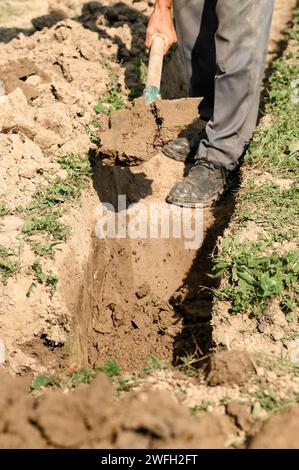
(143, 296)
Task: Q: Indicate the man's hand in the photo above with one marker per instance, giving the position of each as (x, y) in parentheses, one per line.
(161, 22)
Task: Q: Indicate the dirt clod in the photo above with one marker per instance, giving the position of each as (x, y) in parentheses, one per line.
(89, 417)
(230, 367)
(143, 291)
(167, 425)
(241, 413)
(135, 134)
(281, 431)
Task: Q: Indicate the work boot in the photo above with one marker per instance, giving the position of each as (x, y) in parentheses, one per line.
(204, 184)
(183, 149)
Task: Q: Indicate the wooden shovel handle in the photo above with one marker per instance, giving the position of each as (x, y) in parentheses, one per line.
(155, 64)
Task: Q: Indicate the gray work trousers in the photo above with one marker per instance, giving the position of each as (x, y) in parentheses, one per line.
(223, 46)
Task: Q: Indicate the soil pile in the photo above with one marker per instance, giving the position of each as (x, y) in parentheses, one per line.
(88, 417)
(279, 432)
(135, 135)
(51, 93)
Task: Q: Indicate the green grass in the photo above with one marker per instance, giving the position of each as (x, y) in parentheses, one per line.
(92, 130)
(113, 100)
(43, 228)
(3, 209)
(9, 263)
(110, 102)
(255, 278)
(268, 401)
(154, 363)
(59, 190)
(126, 383)
(110, 368)
(49, 279)
(205, 406)
(52, 280)
(48, 226)
(44, 249)
(255, 273)
(75, 379)
(280, 217)
(78, 169)
(38, 272)
(275, 147)
(81, 376)
(139, 69)
(187, 365)
(42, 381)
(282, 364)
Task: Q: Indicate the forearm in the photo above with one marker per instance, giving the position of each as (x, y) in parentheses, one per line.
(163, 4)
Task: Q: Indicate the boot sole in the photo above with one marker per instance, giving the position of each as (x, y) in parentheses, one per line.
(174, 156)
(178, 157)
(191, 205)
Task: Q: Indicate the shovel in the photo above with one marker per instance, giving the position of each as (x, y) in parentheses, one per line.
(152, 89)
(134, 133)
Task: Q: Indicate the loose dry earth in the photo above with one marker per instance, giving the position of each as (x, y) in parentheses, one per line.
(78, 300)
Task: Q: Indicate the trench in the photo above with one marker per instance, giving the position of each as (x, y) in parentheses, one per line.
(147, 296)
(142, 297)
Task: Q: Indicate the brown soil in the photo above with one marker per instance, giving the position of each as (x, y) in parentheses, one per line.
(279, 432)
(143, 420)
(135, 135)
(116, 298)
(147, 419)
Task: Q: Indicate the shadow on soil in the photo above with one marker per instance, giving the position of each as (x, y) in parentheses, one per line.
(93, 16)
(39, 23)
(111, 182)
(195, 339)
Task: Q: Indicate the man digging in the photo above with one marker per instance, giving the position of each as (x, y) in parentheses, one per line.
(223, 46)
